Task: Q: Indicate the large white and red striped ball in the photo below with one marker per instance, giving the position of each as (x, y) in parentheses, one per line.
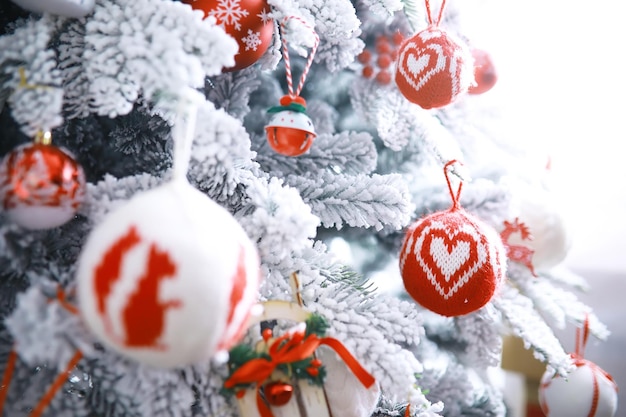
(41, 186)
(452, 263)
(168, 279)
(585, 392)
(434, 68)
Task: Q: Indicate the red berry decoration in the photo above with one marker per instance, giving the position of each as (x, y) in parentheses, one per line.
(451, 262)
(41, 186)
(290, 131)
(247, 21)
(485, 74)
(278, 393)
(433, 67)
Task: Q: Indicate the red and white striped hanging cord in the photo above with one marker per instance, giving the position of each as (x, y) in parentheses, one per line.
(429, 13)
(293, 94)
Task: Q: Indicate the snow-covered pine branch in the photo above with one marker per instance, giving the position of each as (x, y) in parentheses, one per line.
(153, 49)
(231, 91)
(376, 201)
(221, 157)
(77, 98)
(525, 322)
(336, 24)
(349, 153)
(29, 72)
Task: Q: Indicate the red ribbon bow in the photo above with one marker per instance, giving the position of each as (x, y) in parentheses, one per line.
(287, 349)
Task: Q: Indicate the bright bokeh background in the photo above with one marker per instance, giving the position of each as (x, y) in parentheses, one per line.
(562, 66)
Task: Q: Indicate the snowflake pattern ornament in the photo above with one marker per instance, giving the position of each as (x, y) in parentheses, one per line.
(451, 262)
(433, 67)
(247, 21)
(41, 185)
(588, 391)
(67, 8)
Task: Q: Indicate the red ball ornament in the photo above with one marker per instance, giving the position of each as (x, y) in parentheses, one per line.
(41, 186)
(485, 74)
(290, 131)
(433, 68)
(247, 21)
(451, 262)
(278, 393)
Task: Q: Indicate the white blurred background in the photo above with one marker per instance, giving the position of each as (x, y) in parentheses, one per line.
(562, 79)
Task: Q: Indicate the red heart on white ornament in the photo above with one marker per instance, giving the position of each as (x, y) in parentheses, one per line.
(449, 258)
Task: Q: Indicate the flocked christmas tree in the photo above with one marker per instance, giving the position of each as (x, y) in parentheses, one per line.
(178, 179)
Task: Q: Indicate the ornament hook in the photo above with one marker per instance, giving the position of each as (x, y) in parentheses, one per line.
(455, 196)
(293, 94)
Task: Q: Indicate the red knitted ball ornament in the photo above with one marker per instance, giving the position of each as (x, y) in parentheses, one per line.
(433, 68)
(452, 263)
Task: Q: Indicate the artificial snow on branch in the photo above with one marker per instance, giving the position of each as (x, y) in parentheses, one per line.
(375, 201)
(151, 50)
(524, 321)
(349, 153)
(29, 72)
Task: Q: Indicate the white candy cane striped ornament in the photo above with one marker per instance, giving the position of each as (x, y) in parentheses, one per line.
(434, 67)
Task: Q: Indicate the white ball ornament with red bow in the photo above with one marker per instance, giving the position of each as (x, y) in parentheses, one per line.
(588, 391)
(169, 278)
(434, 67)
(451, 262)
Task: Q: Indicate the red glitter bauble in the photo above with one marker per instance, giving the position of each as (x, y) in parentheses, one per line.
(41, 186)
(278, 393)
(247, 21)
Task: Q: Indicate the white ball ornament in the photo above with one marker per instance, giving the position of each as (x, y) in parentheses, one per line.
(169, 278)
(588, 391)
(539, 211)
(67, 8)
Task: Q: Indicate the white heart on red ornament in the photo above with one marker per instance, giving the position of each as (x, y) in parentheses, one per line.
(420, 64)
(449, 258)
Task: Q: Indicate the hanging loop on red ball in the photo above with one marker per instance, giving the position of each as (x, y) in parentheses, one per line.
(429, 13)
(455, 197)
(293, 94)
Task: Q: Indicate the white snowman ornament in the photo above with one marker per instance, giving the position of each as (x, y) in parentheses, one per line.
(67, 8)
(169, 278)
